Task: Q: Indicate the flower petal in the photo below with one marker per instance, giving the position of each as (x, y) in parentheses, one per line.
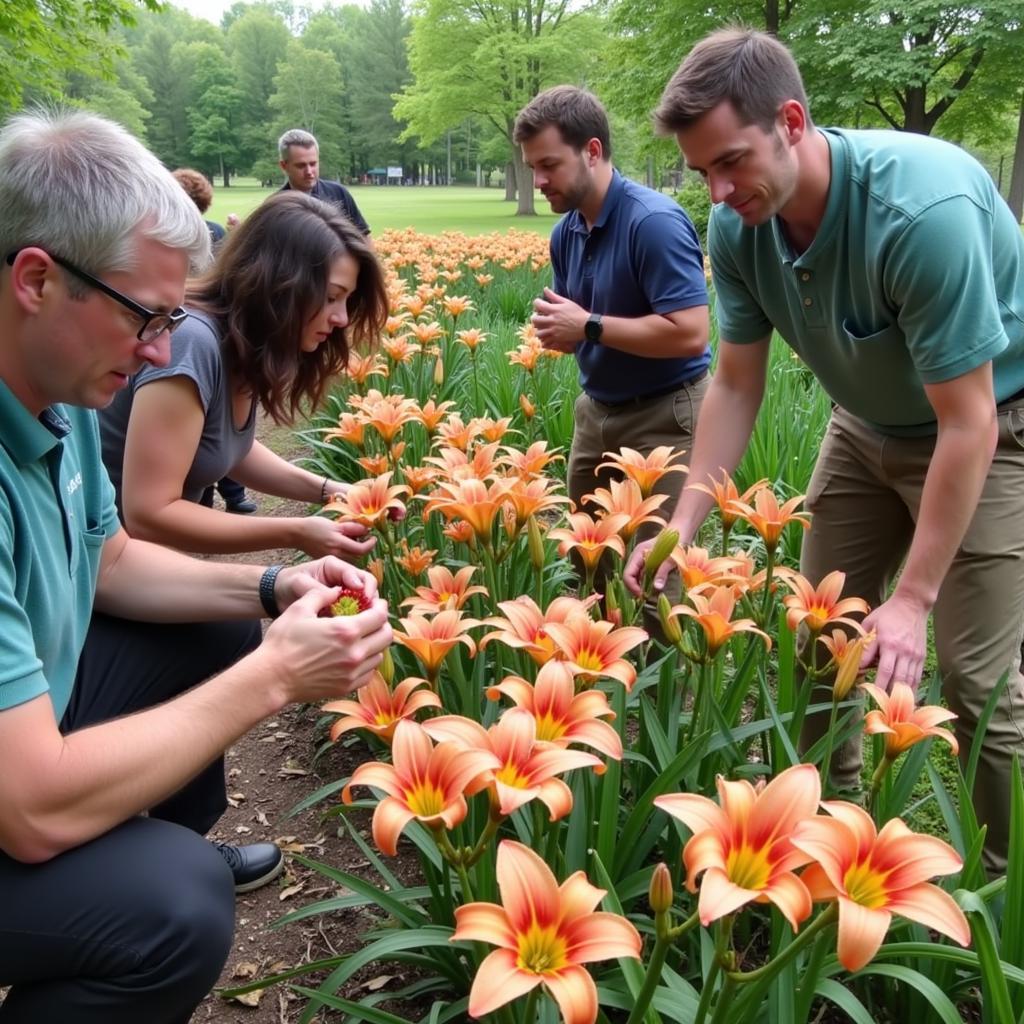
(576, 994)
(390, 817)
(791, 896)
(528, 889)
(861, 932)
(484, 922)
(719, 896)
(934, 908)
(601, 936)
(498, 981)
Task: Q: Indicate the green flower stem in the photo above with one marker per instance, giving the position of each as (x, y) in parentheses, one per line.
(724, 1000)
(876, 782)
(489, 832)
(770, 969)
(827, 761)
(662, 944)
(726, 530)
(476, 382)
(721, 948)
(769, 569)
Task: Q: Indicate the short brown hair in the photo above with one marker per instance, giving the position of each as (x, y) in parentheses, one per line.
(751, 70)
(197, 185)
(269, 281)
(578, 115)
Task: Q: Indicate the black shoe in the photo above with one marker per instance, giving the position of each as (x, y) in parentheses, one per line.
(254, 865)
(244, 507)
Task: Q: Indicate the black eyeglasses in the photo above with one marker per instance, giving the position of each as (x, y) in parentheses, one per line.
(153, 323)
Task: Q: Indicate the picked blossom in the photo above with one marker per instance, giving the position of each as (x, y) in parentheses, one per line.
(426, 782)
(742, 845)
(563, 716)
(544, 932)
(769, 518)
(528, 767)
(446, 590)
(350, 602)
(875, 874)
(646, 470)
(821, 606)
(903, 723)
(379, 709)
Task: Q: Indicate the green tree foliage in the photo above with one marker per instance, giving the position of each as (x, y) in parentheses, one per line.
(489, 58)
(214, 107)
(42, 42)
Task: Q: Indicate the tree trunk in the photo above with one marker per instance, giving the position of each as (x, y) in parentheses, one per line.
(914, 117)
(1016, 199)
(510, 181)
(524, 181)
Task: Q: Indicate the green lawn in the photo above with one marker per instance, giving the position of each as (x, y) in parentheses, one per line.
(431, 210)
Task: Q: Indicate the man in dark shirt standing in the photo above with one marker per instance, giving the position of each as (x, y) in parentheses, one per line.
(300, 161)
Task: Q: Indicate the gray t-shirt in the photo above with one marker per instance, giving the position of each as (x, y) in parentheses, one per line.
(196, 354)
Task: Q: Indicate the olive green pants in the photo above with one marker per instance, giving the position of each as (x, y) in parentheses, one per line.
(864, 496)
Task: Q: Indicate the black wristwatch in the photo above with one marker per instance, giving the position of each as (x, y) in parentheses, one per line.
(593, 327)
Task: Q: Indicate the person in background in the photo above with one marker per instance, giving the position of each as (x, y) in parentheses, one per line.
(270, 325)
(126, 669)
(299, 156)
(893, 267)
(200, 191)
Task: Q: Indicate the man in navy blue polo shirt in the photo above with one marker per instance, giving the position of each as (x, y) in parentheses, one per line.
(629, 298)
(300, 161)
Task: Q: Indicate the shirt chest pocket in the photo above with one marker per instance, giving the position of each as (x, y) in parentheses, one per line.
(86, 551)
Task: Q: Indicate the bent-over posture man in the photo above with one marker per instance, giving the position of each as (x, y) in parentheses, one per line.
(109, 914)
(891, 264)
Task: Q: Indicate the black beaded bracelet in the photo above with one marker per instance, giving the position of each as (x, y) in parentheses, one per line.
(323, 491)
(267, 598)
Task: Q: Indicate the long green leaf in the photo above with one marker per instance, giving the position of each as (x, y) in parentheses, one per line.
(939, 1001)
(1012, 927)
(356, 1011)
(979, 733)
(997, 1006)
(845, 1000)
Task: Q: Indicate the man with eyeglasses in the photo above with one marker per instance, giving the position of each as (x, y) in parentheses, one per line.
(126, 669)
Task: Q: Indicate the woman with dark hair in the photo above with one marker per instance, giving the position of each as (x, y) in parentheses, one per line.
(270, 324)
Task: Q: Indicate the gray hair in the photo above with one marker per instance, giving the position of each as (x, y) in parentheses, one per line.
(296, 137)
(83, 188)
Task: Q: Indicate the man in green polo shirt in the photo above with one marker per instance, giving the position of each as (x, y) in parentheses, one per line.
(890, 263)
(112, 719)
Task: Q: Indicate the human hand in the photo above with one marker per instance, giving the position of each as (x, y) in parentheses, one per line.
(900, 642)
(315, 657)
(320, 536)
(231, 221)
(297, 580)
(559, 321)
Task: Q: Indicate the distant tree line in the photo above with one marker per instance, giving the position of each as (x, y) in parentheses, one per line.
(435, 87)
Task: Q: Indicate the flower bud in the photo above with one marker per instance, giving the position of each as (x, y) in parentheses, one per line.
(669, 623)
(849, 667)
(660, 893)
(387, 666)
(535, 544)
(529, 409)
(439, 372)
(662, 547)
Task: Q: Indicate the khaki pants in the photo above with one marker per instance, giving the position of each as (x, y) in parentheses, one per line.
(864, 495)
(644, 425)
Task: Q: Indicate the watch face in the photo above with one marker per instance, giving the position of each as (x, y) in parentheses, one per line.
(592, 329)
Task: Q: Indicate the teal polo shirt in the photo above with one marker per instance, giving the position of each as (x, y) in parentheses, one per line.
(56, 512)
(916, 276)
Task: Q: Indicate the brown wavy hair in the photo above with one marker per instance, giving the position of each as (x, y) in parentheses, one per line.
(269, 281)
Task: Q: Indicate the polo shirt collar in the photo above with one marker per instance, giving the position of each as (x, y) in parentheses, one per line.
(611, 197)
(27, 438)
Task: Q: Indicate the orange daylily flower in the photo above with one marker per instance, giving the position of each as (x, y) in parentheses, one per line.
(529, 409)
(526, 356)
(362, 367)
(445, 591)
(902, 723)
(369, 502)
(483, 279)
(593, 648)
(388, 417)
(492, 430)
(456, 464)
(624, 497)
(456, 434)
(426, 782)
(544, 932)
(742, 843)
(398, 349)
(818, 607)
(379, 708)
(874, 875)
(697, 568)
(768, 517)
(415, 560)
(350, 428)
(590, 538)
(845, 661)
(418, 478)
(714, 616)
(431, 413)
(395, 323)
(456, 305)
(471, 338)
(525, 625)
(426, 333)
(460, 532)
(430, 639)
(725, 493)
(415, 304)
(646, 470)
(374, 465)
(563, 716)
(472, 500)
(528, 497)
(528, 767)
(530, 463)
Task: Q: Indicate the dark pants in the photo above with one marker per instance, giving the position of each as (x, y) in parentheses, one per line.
(136, 924)
(230, 490)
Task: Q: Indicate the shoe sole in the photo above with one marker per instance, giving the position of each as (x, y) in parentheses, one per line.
(258, 883)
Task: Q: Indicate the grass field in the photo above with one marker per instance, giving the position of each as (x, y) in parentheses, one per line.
(474, 211)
